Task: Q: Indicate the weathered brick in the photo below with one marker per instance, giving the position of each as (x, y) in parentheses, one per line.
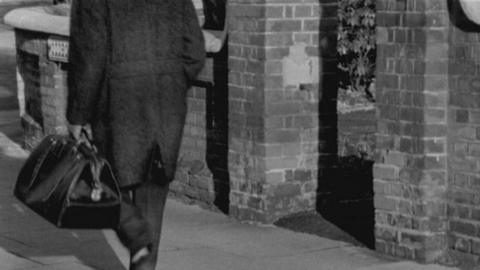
(283, 26)
(286, 190)
(291, 149)
(461, 244)
(461, 116)
(303, 11)
(274, 11)
(385, 171)
(386, 234)
(283, 108)
(385, 203)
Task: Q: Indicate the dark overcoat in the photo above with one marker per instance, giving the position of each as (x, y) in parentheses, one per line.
(130, 66)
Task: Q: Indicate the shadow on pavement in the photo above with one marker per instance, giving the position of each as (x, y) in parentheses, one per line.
(345, 210)
(346, 198)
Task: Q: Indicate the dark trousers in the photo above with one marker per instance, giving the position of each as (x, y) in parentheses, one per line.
(141, 217)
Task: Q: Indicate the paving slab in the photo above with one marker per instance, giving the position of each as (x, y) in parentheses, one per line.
(12, 261)
(406, 266)
(193, 239)
(60, 266)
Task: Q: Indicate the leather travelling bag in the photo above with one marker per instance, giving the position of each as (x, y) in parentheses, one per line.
(68, 184)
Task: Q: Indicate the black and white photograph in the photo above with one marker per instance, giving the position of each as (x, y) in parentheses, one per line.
(239, 134)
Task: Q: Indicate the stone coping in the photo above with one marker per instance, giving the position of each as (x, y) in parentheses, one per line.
(46, 19)
(55, 19)
(471, 8)
(22, 2)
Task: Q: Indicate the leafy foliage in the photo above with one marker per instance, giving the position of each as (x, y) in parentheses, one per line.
(356, 46)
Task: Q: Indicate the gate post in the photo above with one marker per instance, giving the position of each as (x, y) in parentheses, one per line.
(275, 80)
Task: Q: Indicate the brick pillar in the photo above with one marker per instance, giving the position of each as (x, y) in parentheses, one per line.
(410, 174)
(273, 107)
(464, 138)
(42, 82)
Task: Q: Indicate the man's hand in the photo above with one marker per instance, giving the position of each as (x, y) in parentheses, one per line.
(81, 137)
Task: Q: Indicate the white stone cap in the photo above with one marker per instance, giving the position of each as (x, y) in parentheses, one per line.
(471, 8)
(213, 40)
(55, 19)
(46, 19)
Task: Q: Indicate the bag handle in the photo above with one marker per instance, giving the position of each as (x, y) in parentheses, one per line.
(89, 150)
(89, 139)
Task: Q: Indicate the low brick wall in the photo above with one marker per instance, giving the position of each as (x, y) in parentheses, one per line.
(202, 175)
(193, 180)
(44, 86)
(356, 133)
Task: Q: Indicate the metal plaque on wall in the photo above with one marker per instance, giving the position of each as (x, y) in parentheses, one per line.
(57, 50)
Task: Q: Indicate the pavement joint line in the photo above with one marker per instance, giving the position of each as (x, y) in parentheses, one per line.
(176, 249)
(292, 255)
(87, 265)
(25, 257)
(17, 241)
(326, 249)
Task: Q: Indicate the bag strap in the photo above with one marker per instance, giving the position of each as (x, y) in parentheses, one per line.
(90, 152)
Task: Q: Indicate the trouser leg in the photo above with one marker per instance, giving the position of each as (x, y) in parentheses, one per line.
(141, 219)
(150, 198)
(133, 229)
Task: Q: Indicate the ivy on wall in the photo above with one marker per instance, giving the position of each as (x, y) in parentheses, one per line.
(356, 47)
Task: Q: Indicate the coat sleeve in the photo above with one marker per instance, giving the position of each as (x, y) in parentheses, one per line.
(193, 43)
(87, 58)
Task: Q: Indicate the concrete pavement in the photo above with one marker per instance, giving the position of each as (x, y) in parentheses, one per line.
(193, 238)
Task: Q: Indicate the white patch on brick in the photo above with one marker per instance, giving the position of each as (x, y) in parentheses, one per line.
(299, 68)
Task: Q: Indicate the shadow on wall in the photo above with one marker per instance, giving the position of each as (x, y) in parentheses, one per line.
(217, 109)
(345, 198)
(345, 183)
(217, 131)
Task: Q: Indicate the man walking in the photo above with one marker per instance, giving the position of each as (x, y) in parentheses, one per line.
(131, 63)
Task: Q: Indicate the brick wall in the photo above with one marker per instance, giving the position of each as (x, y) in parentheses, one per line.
(273, 127)
(426, 171)
(464, 138)
(202, 174)
(356, 133)
(411, 159)
(193, 180)
(43, 83)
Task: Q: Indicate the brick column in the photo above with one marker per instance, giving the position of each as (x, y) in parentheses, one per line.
(410, 174)
(464, 138)
(273, 107)
(42, 82)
